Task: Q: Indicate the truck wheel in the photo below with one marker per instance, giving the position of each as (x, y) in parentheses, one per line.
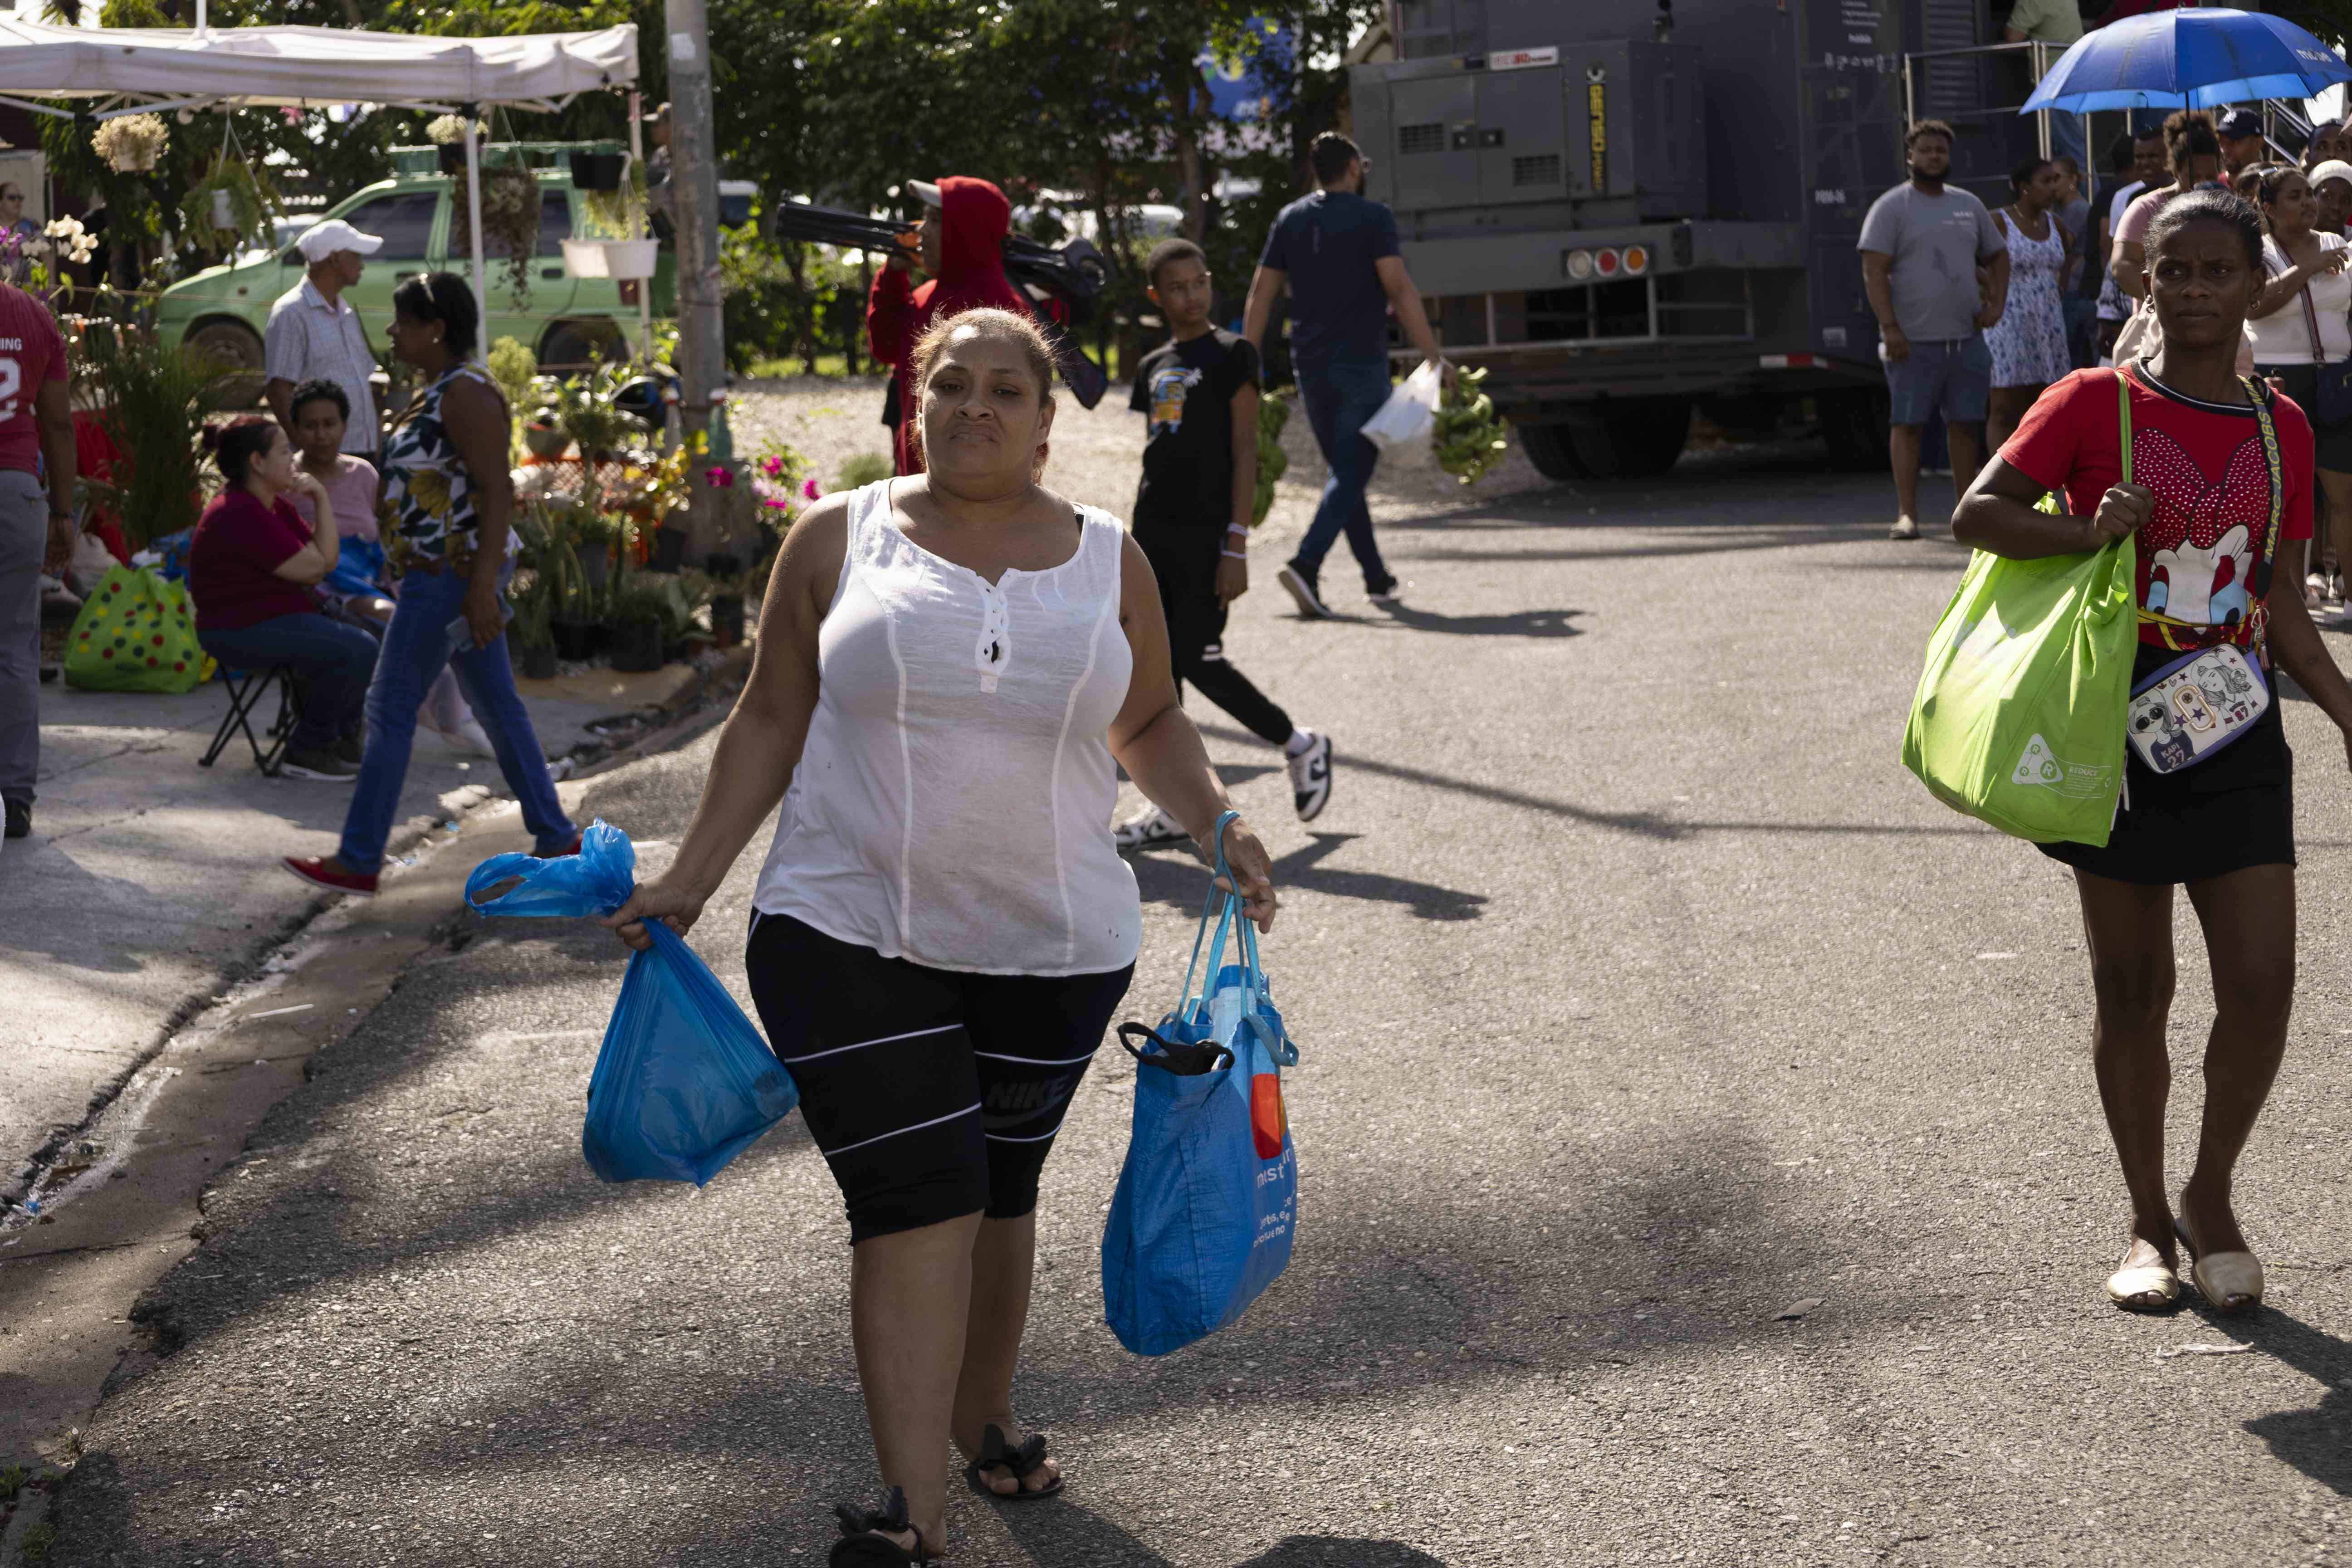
(1853, 427)
(232, 346)
(1548, 447)
(575, 346)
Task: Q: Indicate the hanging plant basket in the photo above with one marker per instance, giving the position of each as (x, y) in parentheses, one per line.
(130, 143)
(510, 202)
(611, 258)
(597, 171)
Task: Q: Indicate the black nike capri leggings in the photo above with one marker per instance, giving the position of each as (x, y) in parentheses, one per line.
(933, 1093)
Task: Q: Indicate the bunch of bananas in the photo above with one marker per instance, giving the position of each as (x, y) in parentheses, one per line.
(1469, 440)
(1273, 414)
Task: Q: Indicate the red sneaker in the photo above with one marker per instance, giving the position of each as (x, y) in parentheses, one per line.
(571, 848)
(315, 870)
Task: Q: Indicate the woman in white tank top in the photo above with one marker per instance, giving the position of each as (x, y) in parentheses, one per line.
(951, 668)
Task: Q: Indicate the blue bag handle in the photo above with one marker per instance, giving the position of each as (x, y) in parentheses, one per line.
(1184, 998)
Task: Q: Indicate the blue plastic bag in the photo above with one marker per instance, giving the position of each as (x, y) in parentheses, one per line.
(684, 1083)
(1208, 1200)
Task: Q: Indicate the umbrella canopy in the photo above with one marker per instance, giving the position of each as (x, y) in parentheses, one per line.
(306, 65)
(2191, 59)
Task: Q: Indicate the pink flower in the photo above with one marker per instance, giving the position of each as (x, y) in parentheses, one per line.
(720, 478)
(293, 115)
(777, 504)
(772, 467)
(808, 489)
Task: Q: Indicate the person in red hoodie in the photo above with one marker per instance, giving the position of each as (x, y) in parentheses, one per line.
(962, 243)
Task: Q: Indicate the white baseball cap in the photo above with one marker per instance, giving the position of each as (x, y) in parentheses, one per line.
(322, 240)
(928, 191)
(2333, 169)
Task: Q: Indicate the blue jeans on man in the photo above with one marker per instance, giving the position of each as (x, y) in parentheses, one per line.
(1339, 399)
(417, 643)
(332, 661)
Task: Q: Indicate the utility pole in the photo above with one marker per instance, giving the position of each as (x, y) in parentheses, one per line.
(694, 179)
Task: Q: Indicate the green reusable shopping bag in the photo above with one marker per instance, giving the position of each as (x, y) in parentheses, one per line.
(136, 633)
(2019, 718)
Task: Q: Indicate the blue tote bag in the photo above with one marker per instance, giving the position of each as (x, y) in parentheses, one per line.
(1207, 1201)
(684, 1083)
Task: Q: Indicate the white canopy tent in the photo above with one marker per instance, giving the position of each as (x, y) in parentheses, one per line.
(136, 71)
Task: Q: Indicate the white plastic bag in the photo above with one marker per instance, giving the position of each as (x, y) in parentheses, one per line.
(1411, 412)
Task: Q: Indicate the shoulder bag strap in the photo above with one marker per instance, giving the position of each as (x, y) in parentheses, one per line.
(2260, 393)
(2310, 319)
(2123, 422)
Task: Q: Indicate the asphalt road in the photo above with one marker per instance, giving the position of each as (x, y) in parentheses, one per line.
(1641, 998)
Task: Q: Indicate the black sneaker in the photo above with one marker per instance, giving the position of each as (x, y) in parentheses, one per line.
(20, 819)
(1300, 584)
(350, 749)
(1310, 778)
(1384, 594)
(321, 764)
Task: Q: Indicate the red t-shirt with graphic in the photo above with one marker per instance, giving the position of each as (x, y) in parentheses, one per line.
(2205, 464)
(32, 350)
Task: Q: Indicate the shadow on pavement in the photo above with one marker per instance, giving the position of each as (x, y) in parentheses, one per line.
(1179, 880)
(1747, 539)
(2311, 1439)
(1522, 624)
(1300, 1551)
(1642, 824)
(1070, 1533)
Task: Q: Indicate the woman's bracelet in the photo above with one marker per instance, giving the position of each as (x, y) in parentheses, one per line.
(1234, 554)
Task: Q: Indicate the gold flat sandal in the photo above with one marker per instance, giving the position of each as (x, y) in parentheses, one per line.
(2230, 1282)
(2148, 1287)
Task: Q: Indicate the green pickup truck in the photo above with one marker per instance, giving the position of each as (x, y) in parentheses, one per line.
(223, 309)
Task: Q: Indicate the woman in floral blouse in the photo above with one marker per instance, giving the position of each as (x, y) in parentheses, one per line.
(447, 498)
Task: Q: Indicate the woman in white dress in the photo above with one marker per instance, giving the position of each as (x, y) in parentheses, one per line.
(2299, 326)
(2029, 342)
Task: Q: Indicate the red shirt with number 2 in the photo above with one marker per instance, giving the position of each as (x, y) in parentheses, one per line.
(31, 352)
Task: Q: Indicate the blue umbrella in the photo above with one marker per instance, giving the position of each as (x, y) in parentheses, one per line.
(2190, 58)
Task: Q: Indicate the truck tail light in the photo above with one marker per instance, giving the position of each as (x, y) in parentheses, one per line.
(1580, 265)
(1637, 261)
(1606, 263)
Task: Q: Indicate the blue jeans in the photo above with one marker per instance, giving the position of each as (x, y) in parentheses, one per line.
(1338, 399)
(416, 647)
(1953, 376)
(332, 659)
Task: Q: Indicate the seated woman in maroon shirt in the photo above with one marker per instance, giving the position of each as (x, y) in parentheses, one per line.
(2218, 509)
(250, 569)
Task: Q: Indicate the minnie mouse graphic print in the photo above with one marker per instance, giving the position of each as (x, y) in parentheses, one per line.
(2201, 549)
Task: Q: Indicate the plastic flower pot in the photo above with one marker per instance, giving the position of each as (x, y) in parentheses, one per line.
(637, 647)
(611, 258)
(545, 441)
(538, 663)
(597, 171)
(577, 641)
(726, 619)
(669, 549)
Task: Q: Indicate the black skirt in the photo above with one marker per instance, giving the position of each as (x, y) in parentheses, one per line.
(2331, 444)
(2233, 810)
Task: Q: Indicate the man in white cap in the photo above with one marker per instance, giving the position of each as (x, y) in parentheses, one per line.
(315, 335)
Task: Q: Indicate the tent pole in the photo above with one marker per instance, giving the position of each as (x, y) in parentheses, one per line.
(646, 287)
(473, 219)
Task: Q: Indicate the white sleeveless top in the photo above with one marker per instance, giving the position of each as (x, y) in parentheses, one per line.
(953, 800)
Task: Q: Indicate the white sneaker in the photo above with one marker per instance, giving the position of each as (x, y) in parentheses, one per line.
(1904, 528)
(1149, 829)
(1310, 778)
(55, 592)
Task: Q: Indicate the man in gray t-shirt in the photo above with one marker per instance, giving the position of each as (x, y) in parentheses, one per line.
(1921, 247)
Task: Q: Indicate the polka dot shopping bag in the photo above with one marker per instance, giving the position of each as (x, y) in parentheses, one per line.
(136, 633)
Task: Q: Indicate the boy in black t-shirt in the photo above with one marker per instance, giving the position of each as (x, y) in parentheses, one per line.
(1193, 518)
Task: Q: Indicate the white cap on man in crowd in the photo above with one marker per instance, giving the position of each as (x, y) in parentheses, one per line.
(928, 191)
(2333, 169)
(322, 240)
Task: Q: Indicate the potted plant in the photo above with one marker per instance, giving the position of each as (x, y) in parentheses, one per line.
(609, 242)
(510, 220)
(228, 204)
(156, 397)
(585, 410)
(639, 618)
(597, 172)
(726, 584)
(534, 637)
(543, 437)
(130, 143)
(448, 133)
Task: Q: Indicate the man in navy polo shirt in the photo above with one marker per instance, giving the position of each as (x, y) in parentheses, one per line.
(1338, 254)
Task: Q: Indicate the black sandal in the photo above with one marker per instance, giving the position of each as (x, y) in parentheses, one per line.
(862, 1544)
(1026, 1460)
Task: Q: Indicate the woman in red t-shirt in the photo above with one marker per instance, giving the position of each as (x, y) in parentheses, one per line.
(2215, 477)
(251, 566)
